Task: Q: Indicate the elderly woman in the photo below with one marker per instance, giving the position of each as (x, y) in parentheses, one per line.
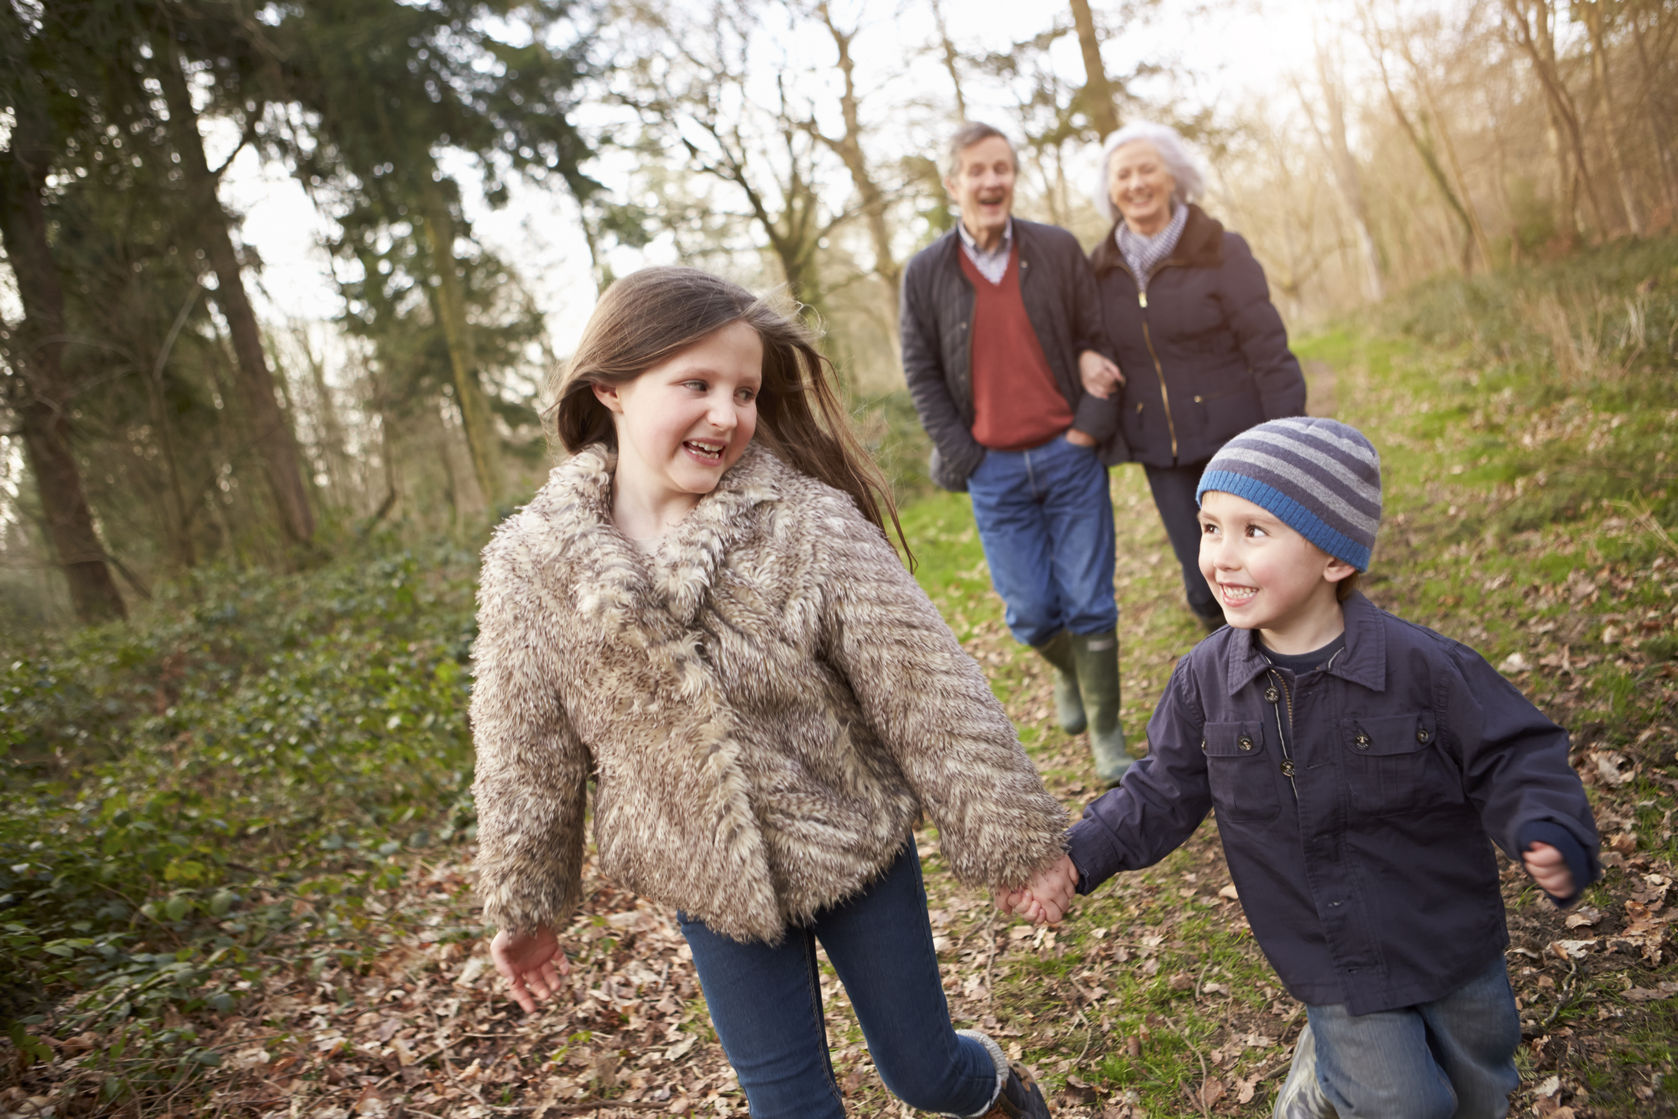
(1203, 353)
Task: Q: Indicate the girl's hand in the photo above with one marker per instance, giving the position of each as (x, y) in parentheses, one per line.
(1045, 899)
(532, 963)
(1548, 869)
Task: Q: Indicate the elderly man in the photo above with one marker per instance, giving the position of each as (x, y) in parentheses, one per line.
(1000, 318)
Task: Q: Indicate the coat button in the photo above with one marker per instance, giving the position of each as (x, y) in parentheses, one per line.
(1361, 741)
(1287, 768)
(1272, 694)
(1245, 742)
(1202, 745)
(1422, 735)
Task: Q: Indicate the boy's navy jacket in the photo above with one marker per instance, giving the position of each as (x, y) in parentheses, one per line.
(1357, 804)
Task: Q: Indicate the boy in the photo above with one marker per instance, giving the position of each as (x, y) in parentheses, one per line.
(1361, 767)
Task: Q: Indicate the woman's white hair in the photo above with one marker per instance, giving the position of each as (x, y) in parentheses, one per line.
(1173, 151)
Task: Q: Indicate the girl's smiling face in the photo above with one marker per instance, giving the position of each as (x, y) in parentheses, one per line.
(686, 420)
(1267, 576)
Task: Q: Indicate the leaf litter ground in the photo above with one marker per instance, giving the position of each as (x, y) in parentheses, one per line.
(1152, 999)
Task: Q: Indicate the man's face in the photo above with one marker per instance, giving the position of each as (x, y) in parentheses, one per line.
(983, 188)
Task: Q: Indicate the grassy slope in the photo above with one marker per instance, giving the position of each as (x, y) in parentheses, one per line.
(1529, 512)
(232, 863)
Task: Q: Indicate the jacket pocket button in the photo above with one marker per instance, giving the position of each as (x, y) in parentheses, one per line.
(1422, 736)
(1245, 742)
(1361, 741)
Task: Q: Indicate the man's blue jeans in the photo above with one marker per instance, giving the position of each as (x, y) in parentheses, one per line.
(766, 1004)
(1045, 519)
(1453, 1058)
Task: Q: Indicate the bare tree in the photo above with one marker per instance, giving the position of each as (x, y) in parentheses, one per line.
(1331, 137)
(848, 146)
(1097, 97)
(1596, 15)
(1377, 39)
(949, 54)
(1530, 26)
(271, 431)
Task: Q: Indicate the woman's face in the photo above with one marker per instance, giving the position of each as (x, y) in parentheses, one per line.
(1140, 187)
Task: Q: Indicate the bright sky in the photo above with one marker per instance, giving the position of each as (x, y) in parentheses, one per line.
(1239, 51)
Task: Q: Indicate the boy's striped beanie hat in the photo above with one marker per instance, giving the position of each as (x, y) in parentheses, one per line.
(1320, 476)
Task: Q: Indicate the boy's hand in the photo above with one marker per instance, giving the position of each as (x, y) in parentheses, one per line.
(1549, 869)
(1049, 893)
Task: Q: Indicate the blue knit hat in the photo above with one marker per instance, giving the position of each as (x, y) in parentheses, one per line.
(1320, 476)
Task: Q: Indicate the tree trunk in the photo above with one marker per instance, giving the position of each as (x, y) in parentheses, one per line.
(1346, 174)
(1430, 160)
(271, 433)
(334, 448)
(1654, 98)
(948, 49)
(848, 147)
(1097, 96)
(1592, 10)
(450, 305)
(37, 389)
(1536, 39)
(1440, 133)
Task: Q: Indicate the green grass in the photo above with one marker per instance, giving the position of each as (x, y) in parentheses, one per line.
(242, 819)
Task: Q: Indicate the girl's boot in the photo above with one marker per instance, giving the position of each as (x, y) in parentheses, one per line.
(1017, 1093)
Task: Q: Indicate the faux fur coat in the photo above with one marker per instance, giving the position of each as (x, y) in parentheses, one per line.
(765, 706)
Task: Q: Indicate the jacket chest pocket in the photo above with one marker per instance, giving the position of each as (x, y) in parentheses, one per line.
(1241, 768)
(1393, 765)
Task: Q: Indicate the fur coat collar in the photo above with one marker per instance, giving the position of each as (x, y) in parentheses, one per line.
(765, 705)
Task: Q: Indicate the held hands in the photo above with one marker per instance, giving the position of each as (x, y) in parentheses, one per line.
(1100, 376)
(1549, 869)
(532, 963)
(1045, 898)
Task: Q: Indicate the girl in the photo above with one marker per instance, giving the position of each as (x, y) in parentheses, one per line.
(714, 629)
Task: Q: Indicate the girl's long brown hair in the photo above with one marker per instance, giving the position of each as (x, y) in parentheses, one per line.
(651, 315)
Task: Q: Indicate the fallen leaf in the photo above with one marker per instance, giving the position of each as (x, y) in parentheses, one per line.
(1211, 1092)
(1584, 917)
(1571, 949)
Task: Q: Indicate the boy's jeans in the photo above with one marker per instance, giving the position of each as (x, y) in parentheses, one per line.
(766, 1004)
(1453, 1058)
(1045, 518)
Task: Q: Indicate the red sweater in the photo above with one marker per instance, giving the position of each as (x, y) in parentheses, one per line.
(1016, 403)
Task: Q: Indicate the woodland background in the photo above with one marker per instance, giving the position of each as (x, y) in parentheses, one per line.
(238, 542)
(158, 424)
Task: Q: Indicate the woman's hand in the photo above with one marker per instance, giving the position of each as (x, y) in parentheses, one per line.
(532, 963)
(1100, 376)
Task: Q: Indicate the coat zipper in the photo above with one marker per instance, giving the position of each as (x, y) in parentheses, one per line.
(1281, 687)
(1164, 394)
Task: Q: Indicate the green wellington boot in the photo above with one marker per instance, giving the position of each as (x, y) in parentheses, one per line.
(1096, 658)
(1069, 704)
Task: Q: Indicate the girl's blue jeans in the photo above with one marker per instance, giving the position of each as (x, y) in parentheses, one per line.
(1045, 519)
(1453, 1058)
(766, 1003)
